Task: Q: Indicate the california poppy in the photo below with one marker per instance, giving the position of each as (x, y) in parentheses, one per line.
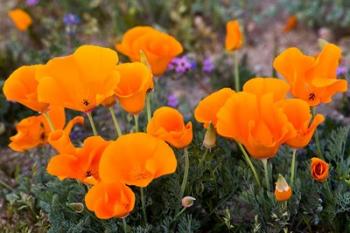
(168, 124)
(136, 159)
(20, 18)
(208, 107)
(319, 169)
(256, 122)
(298, 113)
(22, 86)
(135, 81)
(34, 130)
(234, 37)
(160, 48)
(81, 164)
(80, 81)
(291, 23)
(110, 200)
(282, 190)
(312, 79)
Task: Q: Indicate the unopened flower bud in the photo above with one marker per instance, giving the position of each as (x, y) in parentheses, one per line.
(76, 206)
(187, 201)
(210, 137)
(282, 191)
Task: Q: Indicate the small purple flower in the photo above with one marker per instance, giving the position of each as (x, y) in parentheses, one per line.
(342, 70)
(173, 101)
(208, 65)
(71, 19)
(32, 2)
(181, 64)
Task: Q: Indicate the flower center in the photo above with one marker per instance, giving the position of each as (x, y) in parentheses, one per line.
(86, 102)
(312, 96)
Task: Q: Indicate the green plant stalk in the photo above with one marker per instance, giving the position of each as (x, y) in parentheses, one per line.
(124, 225)
(266, 171)
(148, 107)
(186, 170)
(204, 156)
(292, 167)
(136, 118)
(249, 162)
(92, 123)
(317, 138)
(2, 183)
(48, 118)
(143, 204)
(180, 212)
(115, 122)
(236, 71)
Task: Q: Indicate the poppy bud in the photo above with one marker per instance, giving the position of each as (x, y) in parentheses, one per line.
(187, 201)
(319, 169)
(282, 191)
(210, 137)
(76, 207)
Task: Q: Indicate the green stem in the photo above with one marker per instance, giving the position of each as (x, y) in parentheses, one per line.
(266, 171)
(148, 107)
(2, 183)
(236, 71)
(124, 225)
(204, 156)
(136, 118)
(92, 123)
(249, 162)
(292, 167)
(48, 119)
(317, 138)
(186, 169)
(178, 214)
(143, 203)
(115, 122)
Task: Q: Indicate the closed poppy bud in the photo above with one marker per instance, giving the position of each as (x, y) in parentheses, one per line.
(209, 137)
(319, 169)
(135, 81)
(298, 113)
(77, 207)
(80, 81)
(168, 124)
(187, 201)
(160, 48)
(20, 18)
(282, 190)
(291, 23)
(22, 86)
(108, 200)
(136, 159)
(34, 130)
(234, 37)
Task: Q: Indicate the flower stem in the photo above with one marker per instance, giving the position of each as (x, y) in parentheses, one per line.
(236, 71)
(148, 107)
(2, 183)
(180, 212)
(124, 225)
(249, 162)
(186, 169)
(92, 123)
(317, 138)
(136, 118)
(264, 161)
(143, 203)
(204, 156)
(292, 167)
(48, 118)
(115, 121)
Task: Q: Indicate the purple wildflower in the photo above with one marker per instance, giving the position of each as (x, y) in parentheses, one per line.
(173, 101)
(208, 65)
(71, 19)
(181, 64)
(32, 2)
(342, 70)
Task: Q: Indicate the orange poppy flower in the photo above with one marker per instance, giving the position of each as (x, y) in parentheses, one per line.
(312, 79)
(80, 81)
(21, 87)
(291, 23)
(110, 200)
(282, 191)
(319, 169)
(261, 86)
(81, 164)
(20, 18)
(168, 124)
(34, 130)
(234, 37)
(256, 122)
(160, 48)
(60, 138)
(135, 81)
(208, 107)
(298, 113)
(137, 159)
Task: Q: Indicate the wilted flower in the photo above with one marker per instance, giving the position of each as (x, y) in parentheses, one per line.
(187, 201)
(282, 191)
(208, 65)
(319, 169)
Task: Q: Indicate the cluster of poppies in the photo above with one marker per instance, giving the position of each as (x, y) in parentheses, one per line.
(81, 81)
